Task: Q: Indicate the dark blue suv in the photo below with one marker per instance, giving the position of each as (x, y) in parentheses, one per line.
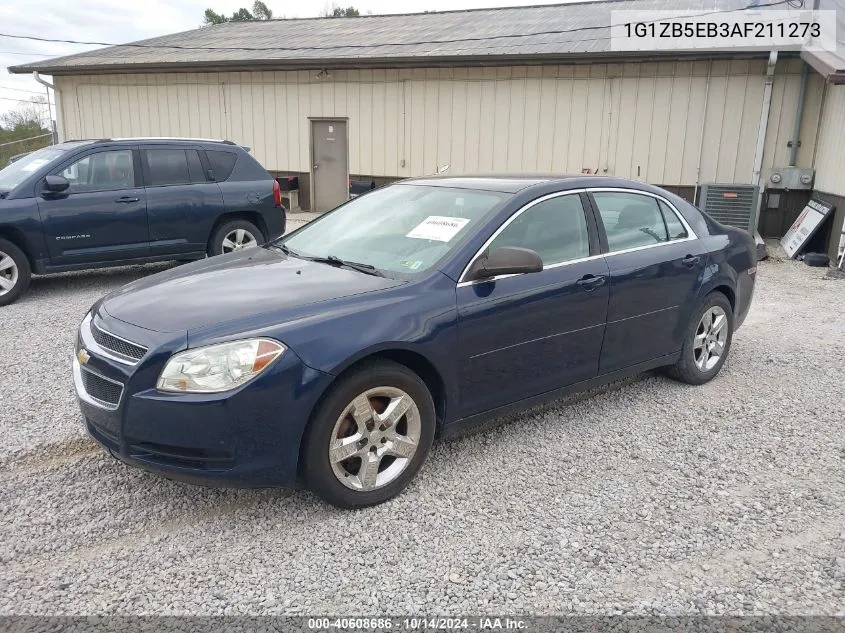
(113, 202)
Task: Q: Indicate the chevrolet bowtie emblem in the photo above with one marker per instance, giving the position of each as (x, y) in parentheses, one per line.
(83, 356)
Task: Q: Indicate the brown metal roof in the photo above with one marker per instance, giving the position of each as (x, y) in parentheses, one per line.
(556, 32)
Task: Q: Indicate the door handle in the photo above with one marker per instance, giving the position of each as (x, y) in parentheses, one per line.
(591, 282)
(690, 260)
(126, 199)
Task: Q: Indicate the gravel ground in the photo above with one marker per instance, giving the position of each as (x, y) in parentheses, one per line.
(647, 497)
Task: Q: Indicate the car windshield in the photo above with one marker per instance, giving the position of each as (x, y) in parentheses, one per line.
(403, 229)
(14, 174)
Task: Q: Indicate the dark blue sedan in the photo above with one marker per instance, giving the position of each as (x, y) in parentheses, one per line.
(336, 354)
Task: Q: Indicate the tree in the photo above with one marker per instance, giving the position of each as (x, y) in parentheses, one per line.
(339, 12)
(260, 11)
(22, 130)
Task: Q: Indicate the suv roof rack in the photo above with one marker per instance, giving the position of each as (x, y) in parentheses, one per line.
(165, 138)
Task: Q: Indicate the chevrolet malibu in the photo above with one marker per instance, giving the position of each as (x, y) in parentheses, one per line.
(336, 354)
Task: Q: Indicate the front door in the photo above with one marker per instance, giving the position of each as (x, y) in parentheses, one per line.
(330, 166)
(522, 335)
(656, 265)
(102, 216)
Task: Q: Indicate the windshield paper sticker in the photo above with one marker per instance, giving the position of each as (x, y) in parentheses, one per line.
(35, 164)
(438, 227)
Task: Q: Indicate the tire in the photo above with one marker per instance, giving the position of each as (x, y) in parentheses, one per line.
(15, 272)
(218, 245)
(691, 368)
(339, 481)
(819, 260)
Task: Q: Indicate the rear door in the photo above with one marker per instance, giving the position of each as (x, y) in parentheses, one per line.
(102, 216)
(522, 335)
(182, 203)
(656, 264)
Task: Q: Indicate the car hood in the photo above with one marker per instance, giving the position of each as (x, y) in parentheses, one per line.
(230, 287)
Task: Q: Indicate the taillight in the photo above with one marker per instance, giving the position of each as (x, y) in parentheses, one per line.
(277, 193)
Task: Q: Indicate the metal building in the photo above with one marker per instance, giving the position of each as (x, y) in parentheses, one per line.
(517, 89)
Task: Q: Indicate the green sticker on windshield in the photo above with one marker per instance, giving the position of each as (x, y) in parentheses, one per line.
(412, 265)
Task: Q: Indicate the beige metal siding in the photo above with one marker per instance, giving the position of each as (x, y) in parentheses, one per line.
(830, 156)
(648, 121)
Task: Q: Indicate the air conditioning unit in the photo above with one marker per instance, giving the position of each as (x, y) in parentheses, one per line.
(731, 204)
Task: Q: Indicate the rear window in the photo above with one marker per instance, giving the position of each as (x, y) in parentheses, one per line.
(222, 164)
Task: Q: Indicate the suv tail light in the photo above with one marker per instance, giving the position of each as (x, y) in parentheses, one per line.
(277, 193)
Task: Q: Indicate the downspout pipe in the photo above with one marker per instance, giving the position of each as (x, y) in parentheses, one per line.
(758, 153)
(42, 81)
(764, 118)
(799, 114)
(48, 86)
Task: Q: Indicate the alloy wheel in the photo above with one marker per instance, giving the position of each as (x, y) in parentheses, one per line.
(8, 273)
(237, 240)
(375, 438)
(711, 335)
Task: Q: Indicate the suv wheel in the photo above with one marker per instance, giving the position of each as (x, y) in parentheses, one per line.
(234, 235)
(14, 272)
(369, 436)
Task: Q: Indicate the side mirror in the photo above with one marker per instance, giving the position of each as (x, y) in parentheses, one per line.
(506, 260)
(55, 184)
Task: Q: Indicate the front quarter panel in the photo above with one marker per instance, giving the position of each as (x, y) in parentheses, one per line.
(418, 317)
(19, 218)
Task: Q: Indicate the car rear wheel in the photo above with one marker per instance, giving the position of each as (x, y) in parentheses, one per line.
(15, 272)
(234, 235)
(707, 341)
(369, 436)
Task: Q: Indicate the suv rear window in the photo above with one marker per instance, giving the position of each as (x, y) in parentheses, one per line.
(222, 163)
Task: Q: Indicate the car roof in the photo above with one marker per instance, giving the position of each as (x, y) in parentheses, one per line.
(514, 183)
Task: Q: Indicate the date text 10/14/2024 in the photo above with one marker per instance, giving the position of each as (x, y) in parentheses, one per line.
(416, 623)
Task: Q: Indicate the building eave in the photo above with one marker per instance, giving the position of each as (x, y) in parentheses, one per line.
(385, 62)
(828, 65)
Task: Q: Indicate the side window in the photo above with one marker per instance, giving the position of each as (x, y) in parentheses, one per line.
(222, 164)
(556, 229)
(673, 224)
(167, 167)
(103, 171)
(195, 170)
(631, 220)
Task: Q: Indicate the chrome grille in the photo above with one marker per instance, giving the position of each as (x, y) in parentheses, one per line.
(116, 345)
(101, 389)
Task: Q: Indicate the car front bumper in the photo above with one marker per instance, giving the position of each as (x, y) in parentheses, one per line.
(247, 437)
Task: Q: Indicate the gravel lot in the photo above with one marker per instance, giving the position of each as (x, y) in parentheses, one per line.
(648, 497)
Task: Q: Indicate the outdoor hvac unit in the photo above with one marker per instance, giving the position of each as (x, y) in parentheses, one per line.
(733, 205)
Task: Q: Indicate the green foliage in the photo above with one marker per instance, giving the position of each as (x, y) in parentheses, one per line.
(340, 12)
(22, 123)
(260, 11)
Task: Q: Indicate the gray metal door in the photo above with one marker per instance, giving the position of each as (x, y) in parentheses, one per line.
(330, 167)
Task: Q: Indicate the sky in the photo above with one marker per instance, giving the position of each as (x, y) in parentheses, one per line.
(119, 22)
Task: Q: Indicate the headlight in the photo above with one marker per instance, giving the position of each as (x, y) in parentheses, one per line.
(218, 368)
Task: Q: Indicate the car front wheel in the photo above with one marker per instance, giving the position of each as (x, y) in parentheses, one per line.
(369, 436)
(707, 341)
(14, 272)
